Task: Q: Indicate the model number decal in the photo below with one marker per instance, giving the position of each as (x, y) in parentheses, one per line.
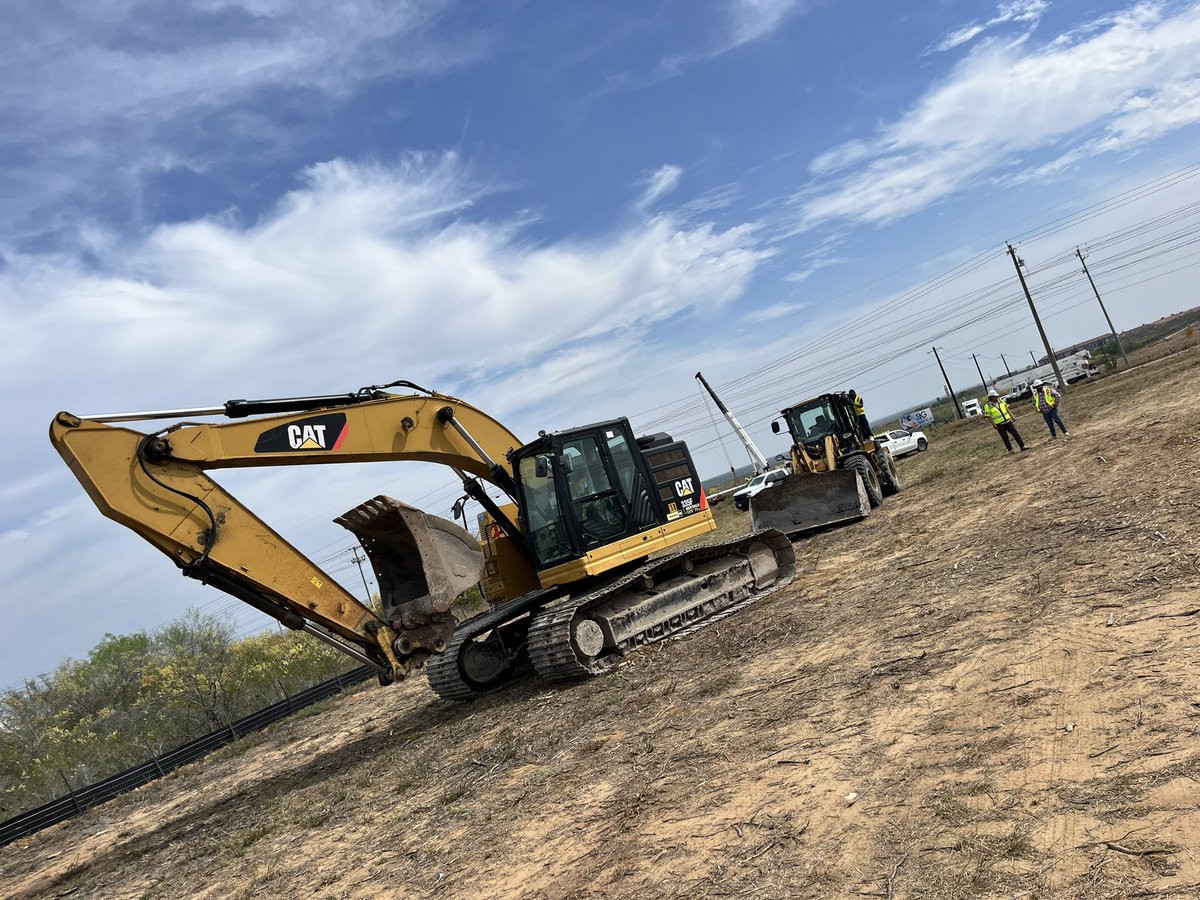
(315, 434)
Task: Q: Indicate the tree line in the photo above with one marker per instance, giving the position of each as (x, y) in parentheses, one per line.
(140, 694)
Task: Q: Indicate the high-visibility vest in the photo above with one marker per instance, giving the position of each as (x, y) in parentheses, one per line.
(1043, 395)
(860, 408)
(998, 411)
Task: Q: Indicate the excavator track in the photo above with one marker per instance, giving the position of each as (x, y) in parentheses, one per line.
(590, 634)
(470, 668)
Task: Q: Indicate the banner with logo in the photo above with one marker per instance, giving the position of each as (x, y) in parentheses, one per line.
(918, 419)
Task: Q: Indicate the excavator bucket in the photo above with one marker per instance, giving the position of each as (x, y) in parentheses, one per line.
(421, 563)
(803, 503)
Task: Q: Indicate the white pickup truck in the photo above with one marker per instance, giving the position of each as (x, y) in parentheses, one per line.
(902, 442)
(741, 499)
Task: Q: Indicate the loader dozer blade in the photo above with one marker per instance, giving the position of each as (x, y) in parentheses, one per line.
(803, 503)
(421, 563)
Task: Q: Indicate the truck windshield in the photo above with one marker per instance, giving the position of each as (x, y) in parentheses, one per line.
(812, 421)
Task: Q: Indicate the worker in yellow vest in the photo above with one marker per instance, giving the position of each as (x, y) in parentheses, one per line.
(860, 413)
(1046, 400)
(997, 410)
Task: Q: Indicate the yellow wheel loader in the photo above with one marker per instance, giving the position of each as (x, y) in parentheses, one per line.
(566, 558)
(839, 472)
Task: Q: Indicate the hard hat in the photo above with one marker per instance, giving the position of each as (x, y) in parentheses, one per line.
(1038, 383)
(993, 394)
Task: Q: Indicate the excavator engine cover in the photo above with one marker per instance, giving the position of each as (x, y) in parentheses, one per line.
(801, 503)
(422, 563)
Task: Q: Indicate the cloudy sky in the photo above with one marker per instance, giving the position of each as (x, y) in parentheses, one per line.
(558, 211)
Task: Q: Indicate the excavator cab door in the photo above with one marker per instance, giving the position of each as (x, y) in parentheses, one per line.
(599, 510)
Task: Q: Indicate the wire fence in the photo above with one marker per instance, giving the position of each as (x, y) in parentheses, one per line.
(76, 801)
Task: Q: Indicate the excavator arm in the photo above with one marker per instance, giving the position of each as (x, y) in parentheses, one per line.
(158, 485)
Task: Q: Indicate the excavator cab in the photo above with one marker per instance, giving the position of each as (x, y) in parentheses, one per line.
(585, 489)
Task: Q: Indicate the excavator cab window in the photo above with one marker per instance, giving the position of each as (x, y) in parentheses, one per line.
(599, 510)
(547, 534)
(622, 457)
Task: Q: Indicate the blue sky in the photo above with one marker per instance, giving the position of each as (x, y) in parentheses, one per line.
(558, 211)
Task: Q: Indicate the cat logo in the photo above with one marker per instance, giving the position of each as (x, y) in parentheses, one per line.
(314, 434)
(306, 437)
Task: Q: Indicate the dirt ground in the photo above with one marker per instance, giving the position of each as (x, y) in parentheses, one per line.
(990, 688)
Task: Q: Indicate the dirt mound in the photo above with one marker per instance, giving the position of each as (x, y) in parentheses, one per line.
(990, 688)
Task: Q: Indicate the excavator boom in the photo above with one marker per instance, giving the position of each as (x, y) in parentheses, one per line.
(157, 485)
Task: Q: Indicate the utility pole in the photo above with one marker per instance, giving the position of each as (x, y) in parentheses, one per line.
(1017, 263)
(953, 397)
(1006, 368)
(1116, 337)
(1033, 359)
(360, 560)
(756, 457)
(982, 380)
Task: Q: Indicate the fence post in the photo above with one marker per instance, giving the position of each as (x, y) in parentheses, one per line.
(286, 696)
(71, 791)
(153, 756)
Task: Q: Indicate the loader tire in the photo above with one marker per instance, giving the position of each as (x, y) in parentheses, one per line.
(870, 480)
(889, 477)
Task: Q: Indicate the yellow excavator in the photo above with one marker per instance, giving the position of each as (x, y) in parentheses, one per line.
(839, 473)
(574, 560)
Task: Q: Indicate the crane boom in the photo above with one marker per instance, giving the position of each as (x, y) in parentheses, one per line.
(756, 456)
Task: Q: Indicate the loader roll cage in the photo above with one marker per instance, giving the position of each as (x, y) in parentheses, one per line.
(809, 423)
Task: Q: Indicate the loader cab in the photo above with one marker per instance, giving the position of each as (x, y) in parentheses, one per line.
(810, 422)
(588, 487)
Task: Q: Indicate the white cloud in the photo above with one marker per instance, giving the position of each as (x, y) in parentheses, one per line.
(774, 311)
(754, 20)
(1131, 76)
(658, 184)
(960, 36)
(366, 267)
(101, 99)
(814, 262)
(124, 58)
(745, 22)
(1019, 11)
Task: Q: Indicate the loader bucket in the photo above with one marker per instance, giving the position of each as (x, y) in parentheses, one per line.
(803, 503)
(421, 563)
